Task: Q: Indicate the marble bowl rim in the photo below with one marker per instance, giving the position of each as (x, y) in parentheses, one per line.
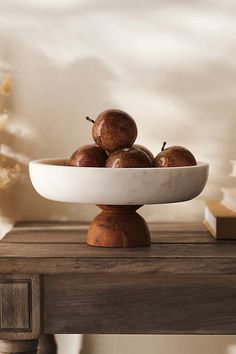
(52, 162)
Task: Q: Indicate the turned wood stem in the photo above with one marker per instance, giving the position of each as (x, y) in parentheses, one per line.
(18, 346)
(118, 226)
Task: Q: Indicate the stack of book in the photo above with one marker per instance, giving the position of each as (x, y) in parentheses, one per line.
(220, 217)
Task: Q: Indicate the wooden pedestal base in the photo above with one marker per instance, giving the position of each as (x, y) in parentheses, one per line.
(118, 226)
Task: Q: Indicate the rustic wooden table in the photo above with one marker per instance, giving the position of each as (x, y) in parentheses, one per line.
(52, 282)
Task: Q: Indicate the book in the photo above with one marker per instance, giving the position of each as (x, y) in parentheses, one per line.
(220, 220)
(229, 198)
(233, 173)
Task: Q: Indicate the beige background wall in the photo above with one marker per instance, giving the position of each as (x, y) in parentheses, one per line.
(121, 344)
(170, 64)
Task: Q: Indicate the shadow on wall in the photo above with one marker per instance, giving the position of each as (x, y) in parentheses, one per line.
(170, 65)
(204, 121)
(9, 165)
(51, 103)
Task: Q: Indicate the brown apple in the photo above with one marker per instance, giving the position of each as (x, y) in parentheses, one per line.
(114, 129)
(90, 155)
(128, 157)
(146, 150)
(174, 156)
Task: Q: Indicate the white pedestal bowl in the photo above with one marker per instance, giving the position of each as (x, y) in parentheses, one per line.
(119, 192)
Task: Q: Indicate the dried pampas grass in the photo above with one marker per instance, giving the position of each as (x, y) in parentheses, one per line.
(9, 168)
(3, 119)
(5, 87)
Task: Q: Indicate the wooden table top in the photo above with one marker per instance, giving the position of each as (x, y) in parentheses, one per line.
(184, 283)
(60, 247)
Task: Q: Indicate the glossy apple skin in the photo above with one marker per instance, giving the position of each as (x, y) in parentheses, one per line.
(174, 156)
(90, 155)
(114, 129)
(128, 157)
(146, 150)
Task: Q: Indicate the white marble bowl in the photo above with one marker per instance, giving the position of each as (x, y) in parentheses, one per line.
(116, 186)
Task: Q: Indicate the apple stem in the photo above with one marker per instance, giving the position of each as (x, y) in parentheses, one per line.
(163, 146)
(90, 120)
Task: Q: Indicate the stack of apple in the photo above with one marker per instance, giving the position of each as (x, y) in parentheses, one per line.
(114, 132)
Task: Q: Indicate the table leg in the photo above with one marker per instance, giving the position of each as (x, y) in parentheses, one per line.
(18, 346)
(47, 344)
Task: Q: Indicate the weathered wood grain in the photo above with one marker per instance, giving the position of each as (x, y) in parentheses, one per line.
(76, 233)
(184, 283)
(75, 225)
(50, 225)
(58, 249)
(117, 265)
(20, 306)
(177, 227)
(174, 250)
(18, 346)
(121, 303)
(15, 305)
(73, 236)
